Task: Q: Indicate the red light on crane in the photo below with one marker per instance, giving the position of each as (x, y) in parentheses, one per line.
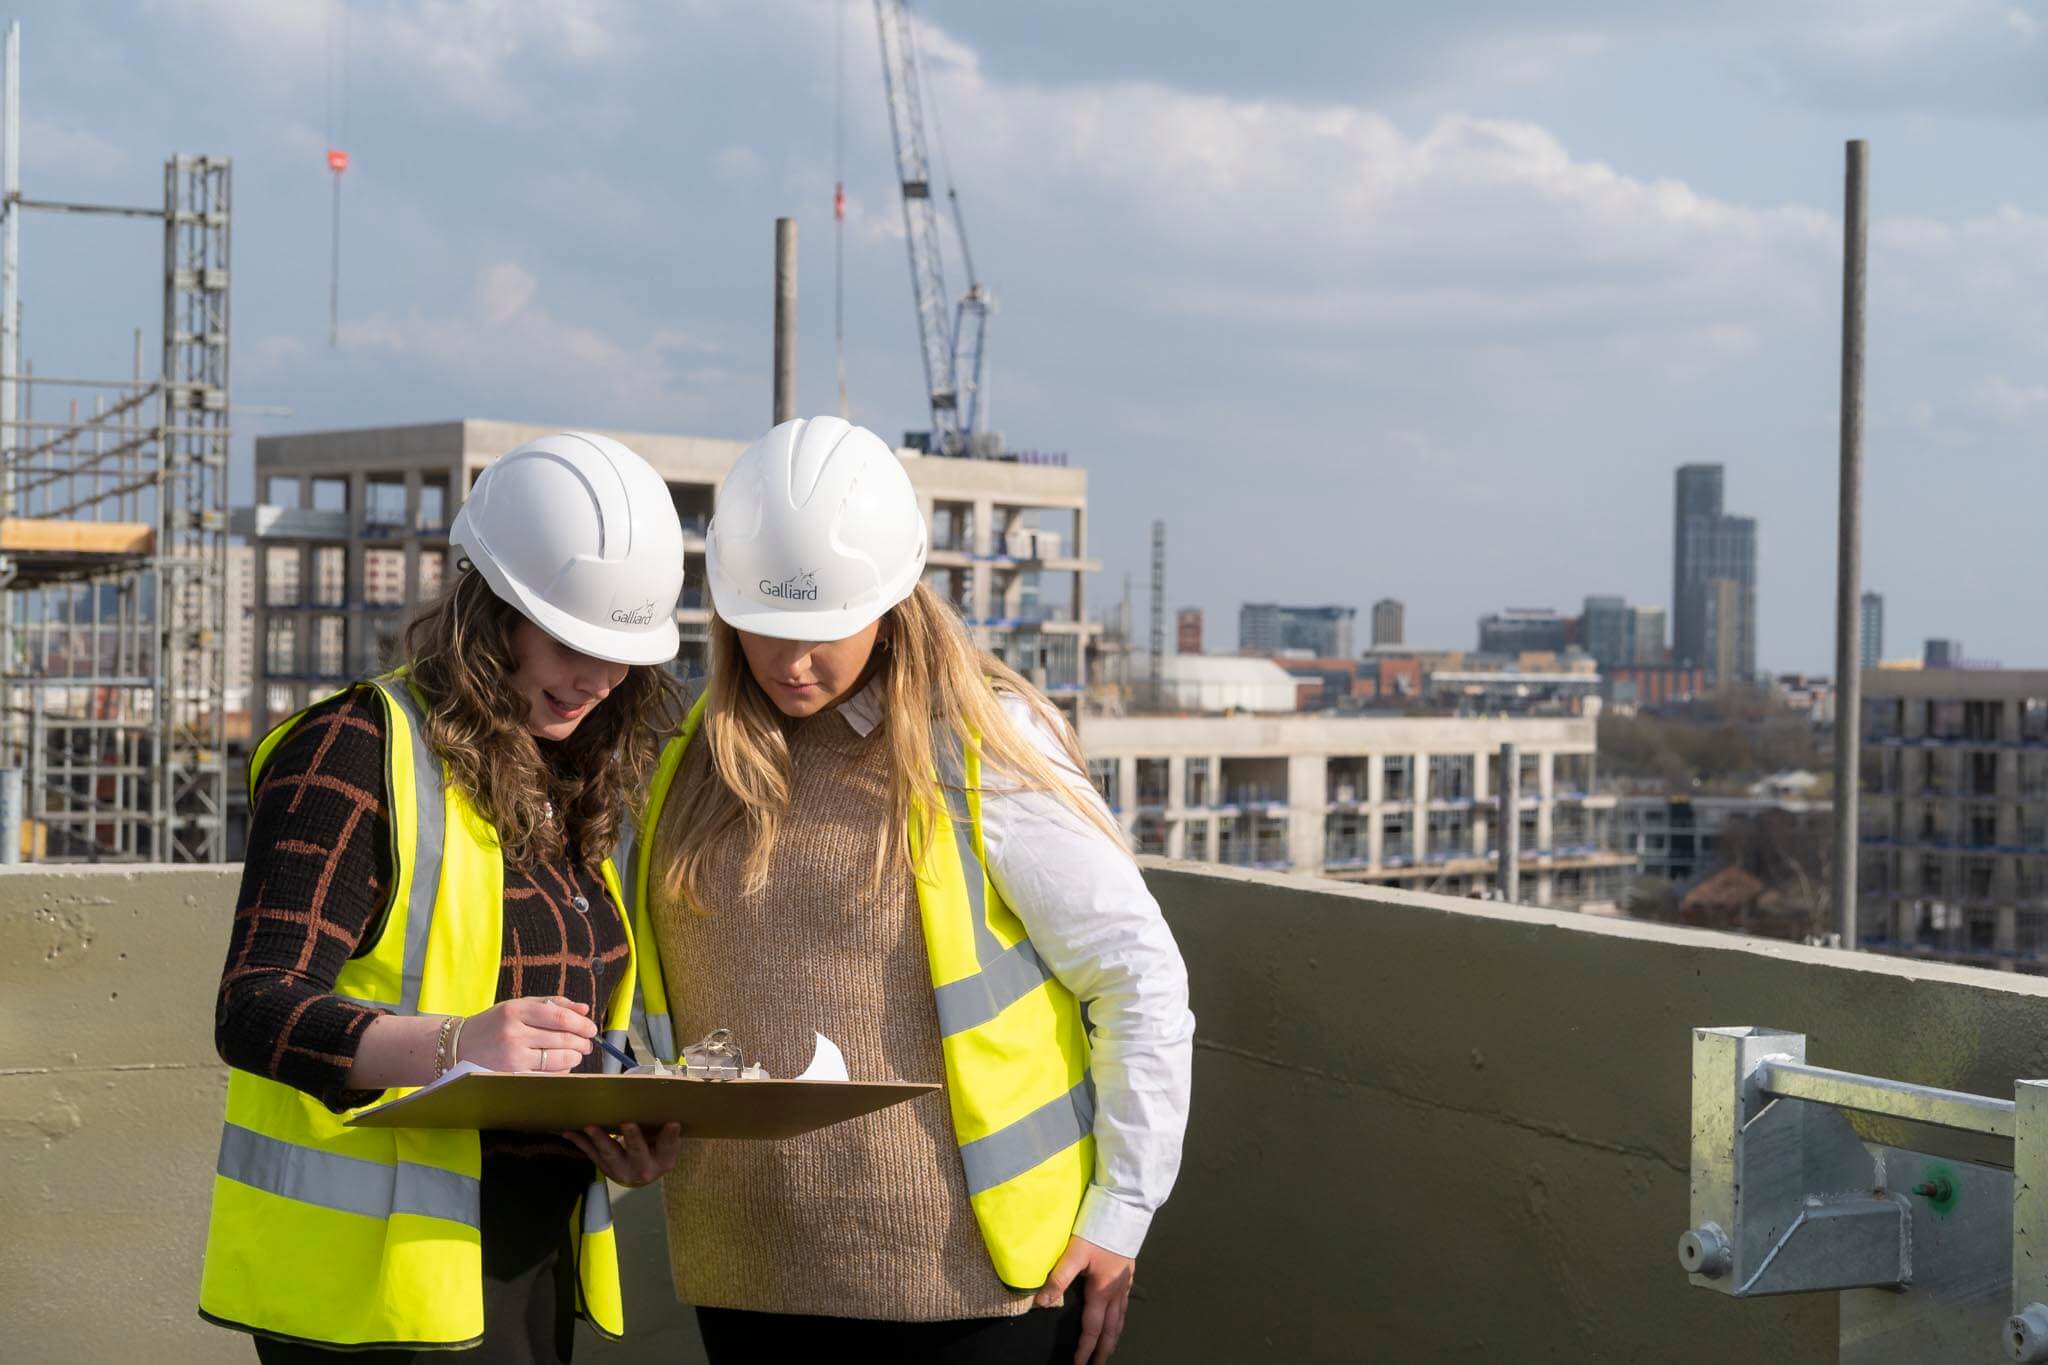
(337, 160)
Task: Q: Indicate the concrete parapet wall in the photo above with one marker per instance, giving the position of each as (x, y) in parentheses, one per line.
(1425, 1129)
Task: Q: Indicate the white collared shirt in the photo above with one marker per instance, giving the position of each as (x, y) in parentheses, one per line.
(1095, 924)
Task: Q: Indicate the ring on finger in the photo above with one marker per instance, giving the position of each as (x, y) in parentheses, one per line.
(543, 1059)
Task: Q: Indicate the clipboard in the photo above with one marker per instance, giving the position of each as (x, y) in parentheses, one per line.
(537, 1102)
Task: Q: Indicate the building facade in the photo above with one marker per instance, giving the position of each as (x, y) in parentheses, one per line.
(1398, 801)
(1605, 628)
(1954, 815)
(351, 536)
(1187, 630)
(1389, 622)
(1943, 654)
(1524, 630)
(1870, 630)
(1710, 547)
(1618, 635)
(1269, 628)
(1678, 838)
(1654, 685)
(1645, 644)
(1721, 620)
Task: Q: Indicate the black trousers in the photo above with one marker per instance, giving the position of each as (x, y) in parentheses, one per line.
(529, 1277)
(1043, 1336)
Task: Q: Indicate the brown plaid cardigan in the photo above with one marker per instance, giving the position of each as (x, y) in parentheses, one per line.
(317, 874)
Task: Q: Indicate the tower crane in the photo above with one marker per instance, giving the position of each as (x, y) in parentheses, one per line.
(953, 333)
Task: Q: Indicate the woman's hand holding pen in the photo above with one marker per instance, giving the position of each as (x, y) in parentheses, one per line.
(532, 1033)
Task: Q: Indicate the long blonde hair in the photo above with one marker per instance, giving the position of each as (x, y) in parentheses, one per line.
(939, 692)
(459, 652)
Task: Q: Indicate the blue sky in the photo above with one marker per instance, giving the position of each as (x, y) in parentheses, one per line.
(1364, 299)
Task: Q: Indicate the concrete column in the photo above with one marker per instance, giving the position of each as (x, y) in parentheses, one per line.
(356, 646)
(1127, 792)
(412, 540)
(1418, 783)
(1375, 792)
(259, 626)
(1176, 797)
(302, 618)
(1545, 796)
(981, 581)
(1308, 777)
(1079, 550)
(1482, 826)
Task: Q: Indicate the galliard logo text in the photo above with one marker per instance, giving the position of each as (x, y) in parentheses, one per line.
(801, 586)
(635, 616)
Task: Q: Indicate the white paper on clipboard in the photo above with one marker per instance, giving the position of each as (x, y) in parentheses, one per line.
(827, 1062)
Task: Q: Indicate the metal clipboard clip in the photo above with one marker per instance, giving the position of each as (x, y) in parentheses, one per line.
(718, 1058)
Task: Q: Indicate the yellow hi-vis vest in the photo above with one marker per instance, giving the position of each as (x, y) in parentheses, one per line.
(1015, 1043)
(362, 1237)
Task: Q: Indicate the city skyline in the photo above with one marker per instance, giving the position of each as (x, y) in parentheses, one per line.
(1607, 296)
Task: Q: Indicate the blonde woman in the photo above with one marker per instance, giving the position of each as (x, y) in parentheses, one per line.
(871, 829)
(428, 882)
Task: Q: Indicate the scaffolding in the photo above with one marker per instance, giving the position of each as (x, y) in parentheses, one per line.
(113, 552)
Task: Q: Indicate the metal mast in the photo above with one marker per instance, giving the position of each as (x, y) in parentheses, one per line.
(192, 508)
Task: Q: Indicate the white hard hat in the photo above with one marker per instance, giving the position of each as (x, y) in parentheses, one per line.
(816, 535)
(581, 535)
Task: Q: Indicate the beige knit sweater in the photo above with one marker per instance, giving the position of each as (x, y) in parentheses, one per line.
(865, 1219)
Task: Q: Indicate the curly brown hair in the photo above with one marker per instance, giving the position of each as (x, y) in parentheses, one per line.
(459, 652)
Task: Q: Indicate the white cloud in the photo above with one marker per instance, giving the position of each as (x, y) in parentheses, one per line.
(462, 50)
(513, 344)
(738, 163)
(59, 147)
(268, 356)
(2000, 400)
(594, 204)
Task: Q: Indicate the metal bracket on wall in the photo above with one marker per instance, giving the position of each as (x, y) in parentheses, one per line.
(1788, 1199)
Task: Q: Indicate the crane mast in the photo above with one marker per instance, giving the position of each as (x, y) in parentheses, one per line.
(951, 334)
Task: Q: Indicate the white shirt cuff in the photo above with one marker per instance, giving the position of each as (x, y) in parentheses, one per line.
(1110, 1223)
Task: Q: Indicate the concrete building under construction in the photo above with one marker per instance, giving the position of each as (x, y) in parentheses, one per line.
(1395, 801)
(351, 533)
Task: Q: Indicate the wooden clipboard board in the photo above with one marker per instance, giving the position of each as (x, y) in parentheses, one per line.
(531, 1102)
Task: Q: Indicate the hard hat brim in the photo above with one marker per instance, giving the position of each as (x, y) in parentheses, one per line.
(636, 648)
(809, 627)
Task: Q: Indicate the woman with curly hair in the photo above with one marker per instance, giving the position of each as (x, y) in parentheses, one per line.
(428, 882)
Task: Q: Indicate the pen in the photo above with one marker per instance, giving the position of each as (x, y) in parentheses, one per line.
(625, 1058)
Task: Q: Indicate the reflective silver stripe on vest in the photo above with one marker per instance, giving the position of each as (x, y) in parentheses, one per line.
(661, 1033)
(597, 1207)
(1007, 975)
(1046, 1131)
(428, 831)
(974, 1000)
(345, 1183)
(597, 1200)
